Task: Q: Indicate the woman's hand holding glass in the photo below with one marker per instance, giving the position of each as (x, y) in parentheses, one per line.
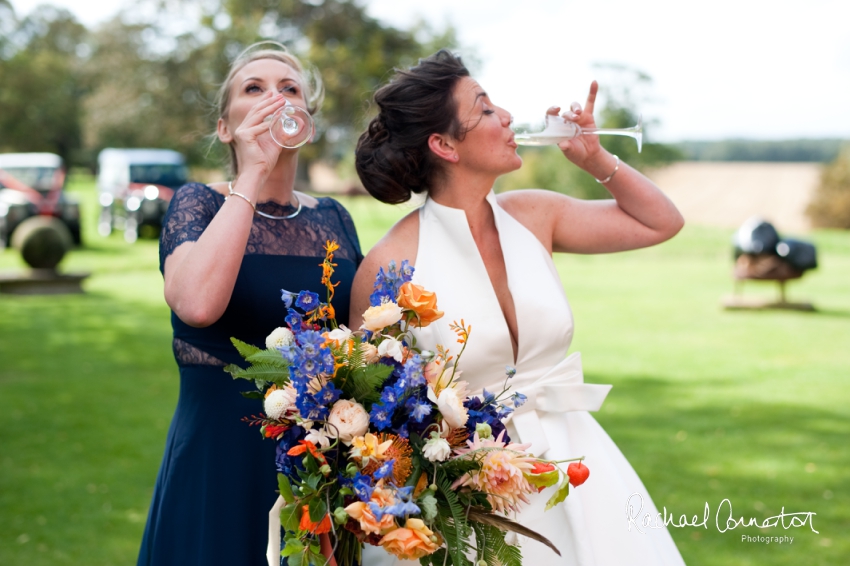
(255, 148)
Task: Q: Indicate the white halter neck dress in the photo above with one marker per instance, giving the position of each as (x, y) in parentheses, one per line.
(591, 527)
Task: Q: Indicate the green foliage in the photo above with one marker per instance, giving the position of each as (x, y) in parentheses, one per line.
(268, 357)
(135, 82)
(260, 373)
(560, 494)
(830, 205)
(364, 384)
(42, 84)
(285, 488)
(492, 548)
(245, 350)
(802, 150)
(451, 522)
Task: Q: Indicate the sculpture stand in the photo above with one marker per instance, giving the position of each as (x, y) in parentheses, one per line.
(41, 282)
(43, 242)
(763, 267)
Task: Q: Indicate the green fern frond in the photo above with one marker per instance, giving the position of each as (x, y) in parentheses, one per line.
(245, 350)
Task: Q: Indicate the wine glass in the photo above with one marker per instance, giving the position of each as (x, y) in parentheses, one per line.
(556, 129)
(291, 126)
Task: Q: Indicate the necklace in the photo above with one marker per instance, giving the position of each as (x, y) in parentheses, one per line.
(287, 217)
(231, 192)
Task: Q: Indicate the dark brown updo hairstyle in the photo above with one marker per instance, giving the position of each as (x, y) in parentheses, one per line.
(392, 157)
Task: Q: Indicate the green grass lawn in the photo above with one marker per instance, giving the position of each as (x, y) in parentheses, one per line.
(707, 404)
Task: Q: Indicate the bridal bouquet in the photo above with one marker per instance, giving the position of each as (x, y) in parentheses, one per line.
(379, 442)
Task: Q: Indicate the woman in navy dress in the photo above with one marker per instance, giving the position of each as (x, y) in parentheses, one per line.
(226, 253)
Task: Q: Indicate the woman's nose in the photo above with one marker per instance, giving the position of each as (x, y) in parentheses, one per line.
(507, 118)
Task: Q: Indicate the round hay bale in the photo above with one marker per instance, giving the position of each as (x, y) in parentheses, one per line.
(42, 241)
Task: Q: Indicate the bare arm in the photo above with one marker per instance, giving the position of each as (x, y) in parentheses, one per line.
(400, 243)
(200, 276)
(640, 215)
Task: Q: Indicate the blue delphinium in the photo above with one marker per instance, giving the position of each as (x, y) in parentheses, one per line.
(286, 297)
(307, 300)
(491, 413)
(285, 463)
(294, 320)
(403, 505)
(418, 408)
(381, 415)
(362, 485)
(385, 470)
(388, 283)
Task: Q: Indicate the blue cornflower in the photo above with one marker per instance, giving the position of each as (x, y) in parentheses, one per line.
(381, 416)
(418, 409)
(385, 470)
(307, 300)
(294, 320)
(286, 297)
(519, 399)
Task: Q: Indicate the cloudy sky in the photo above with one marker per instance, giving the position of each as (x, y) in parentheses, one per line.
(727, 68)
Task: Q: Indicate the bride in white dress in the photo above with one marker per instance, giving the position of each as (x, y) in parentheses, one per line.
(488, 258)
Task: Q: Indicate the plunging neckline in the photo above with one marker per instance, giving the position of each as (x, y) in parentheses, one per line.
(494, 296)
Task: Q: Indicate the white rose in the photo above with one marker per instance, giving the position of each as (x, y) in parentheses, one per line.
(378, 318)
(279, 402)
(391, 348)
(339, 335)
(279, 338)
(450, 404)
(348, 419)
(370, 352)
(437, 449)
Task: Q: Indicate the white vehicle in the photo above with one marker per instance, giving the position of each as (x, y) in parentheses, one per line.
(33, 184)
(135, 187)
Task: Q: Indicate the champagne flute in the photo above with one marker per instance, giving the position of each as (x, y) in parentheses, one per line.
(291, 126)
(556, 130)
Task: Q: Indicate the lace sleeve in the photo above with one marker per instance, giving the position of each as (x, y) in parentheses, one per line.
(191, 210)
(349, 231)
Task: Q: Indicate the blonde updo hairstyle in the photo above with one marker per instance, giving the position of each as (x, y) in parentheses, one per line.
(311, 82)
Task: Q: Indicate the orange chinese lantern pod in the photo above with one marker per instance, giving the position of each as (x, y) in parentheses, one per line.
(320, 528)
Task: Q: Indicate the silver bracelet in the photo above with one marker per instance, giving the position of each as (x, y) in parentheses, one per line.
(232, 193)
(614, 172)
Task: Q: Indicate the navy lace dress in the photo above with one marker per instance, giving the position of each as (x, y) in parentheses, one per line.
(217, 481)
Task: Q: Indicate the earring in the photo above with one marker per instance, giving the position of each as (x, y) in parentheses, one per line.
(454, 157)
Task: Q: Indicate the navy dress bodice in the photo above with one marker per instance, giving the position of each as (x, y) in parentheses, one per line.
(217, 481)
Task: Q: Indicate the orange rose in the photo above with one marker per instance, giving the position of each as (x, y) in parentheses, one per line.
(360, 511)
(320, 528)
(424, 303)
(411, 542)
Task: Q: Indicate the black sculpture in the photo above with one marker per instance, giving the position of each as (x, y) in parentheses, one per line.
(761, 254)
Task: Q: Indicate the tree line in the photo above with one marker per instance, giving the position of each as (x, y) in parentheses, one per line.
(148, 77)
